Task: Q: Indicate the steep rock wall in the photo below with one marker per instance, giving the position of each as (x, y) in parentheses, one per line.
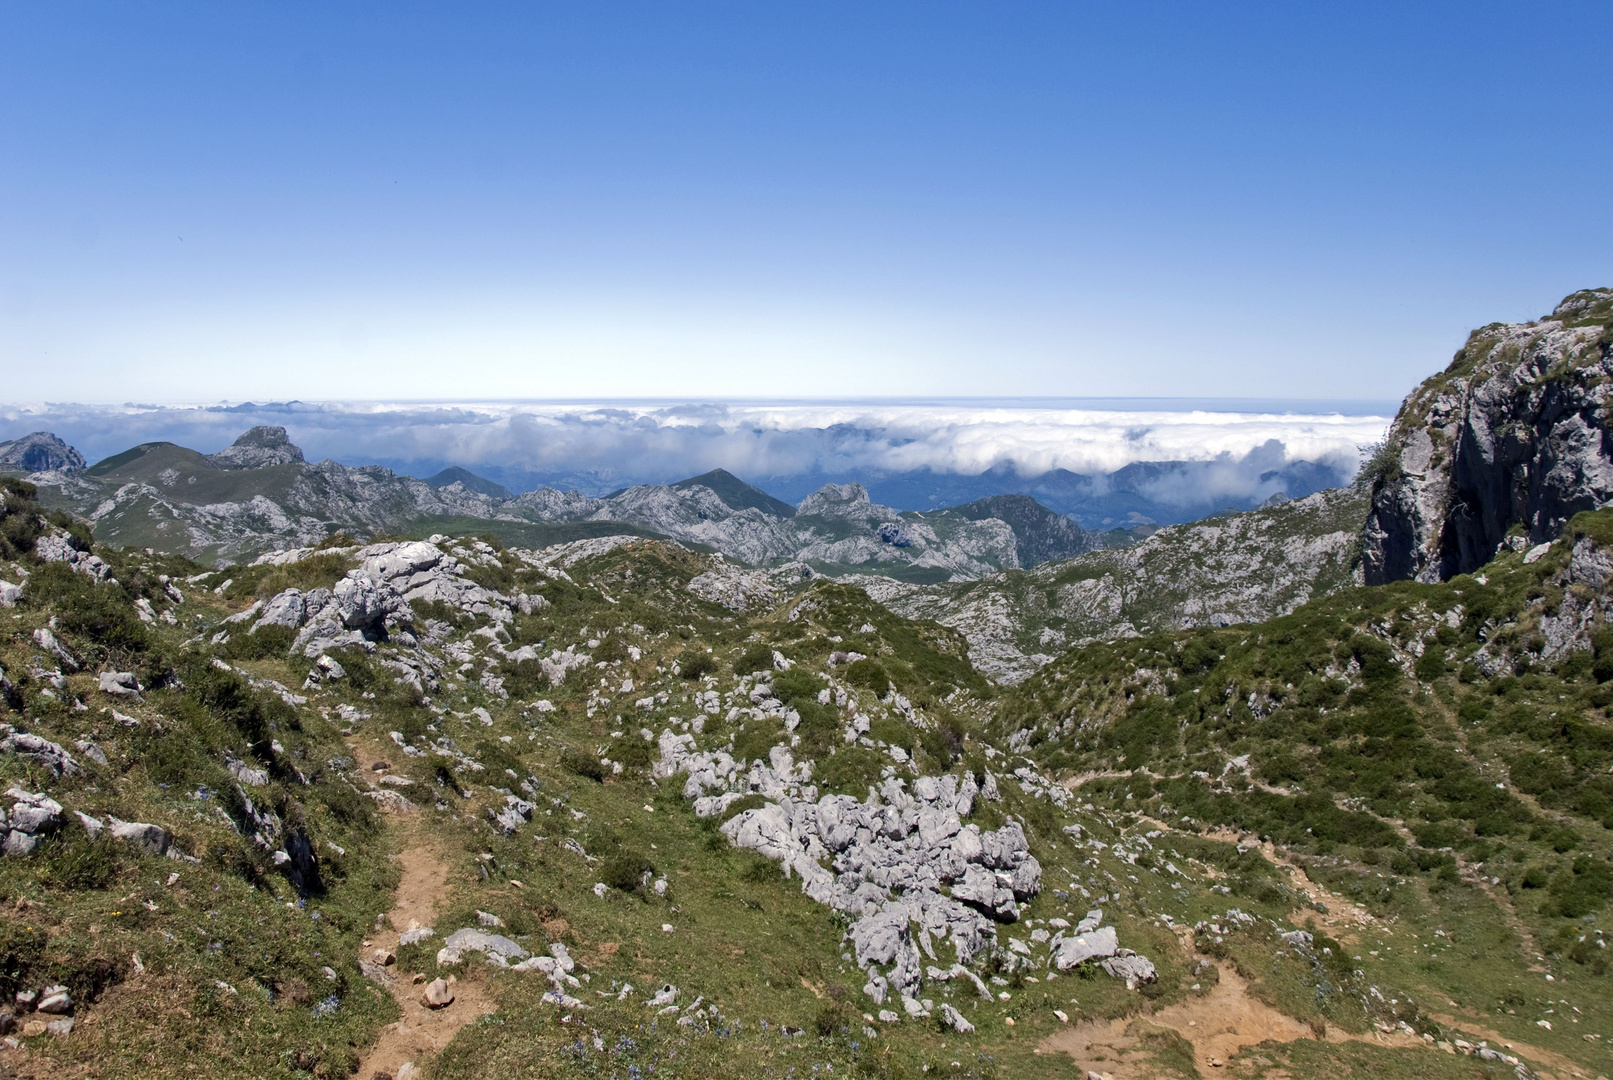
(1500, 449)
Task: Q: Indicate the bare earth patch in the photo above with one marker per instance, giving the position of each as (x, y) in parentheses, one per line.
(1223, 1023)
(421, 1032)
(1218, 1024)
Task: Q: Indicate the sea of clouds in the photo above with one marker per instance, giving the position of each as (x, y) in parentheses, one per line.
(604, 445)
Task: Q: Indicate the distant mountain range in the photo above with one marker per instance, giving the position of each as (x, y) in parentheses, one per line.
(1143, 493)
(260, 494)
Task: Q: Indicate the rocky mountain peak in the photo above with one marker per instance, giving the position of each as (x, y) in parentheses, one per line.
(736, 494)
(39, 452)
(836, 500)
(1499, 450)
(258, 448)
(470, 481)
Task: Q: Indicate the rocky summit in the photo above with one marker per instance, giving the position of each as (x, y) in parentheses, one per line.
(38, 453)
(1320, 789)
(258, 448)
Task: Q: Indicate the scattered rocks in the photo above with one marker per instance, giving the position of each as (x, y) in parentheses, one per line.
(497, 949)
(56, 1001)
(912, 843)
(437, 995)
(517, 812)
(41, 751)
(1093, 945)
(375, 972)
(120, 684)
(246, 774)
(391, 801)
(34, 816)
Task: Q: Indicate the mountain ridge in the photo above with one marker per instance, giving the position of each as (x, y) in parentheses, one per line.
(260, 492)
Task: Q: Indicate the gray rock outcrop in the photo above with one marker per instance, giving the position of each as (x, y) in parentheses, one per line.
(33, 817)
(903, 866)
(1512, 438)
(144, 836)
(61, 546)
(121, 684)
(39, 452)
(1096, 944)
(1239, 568)
(497, 949)
(1134, 970)
(39, 750)
(258, 448)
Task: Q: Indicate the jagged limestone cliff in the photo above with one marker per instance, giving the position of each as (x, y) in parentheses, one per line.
(1501, 448)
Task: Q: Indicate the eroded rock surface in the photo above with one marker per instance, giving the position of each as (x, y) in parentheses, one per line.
(1508, 443)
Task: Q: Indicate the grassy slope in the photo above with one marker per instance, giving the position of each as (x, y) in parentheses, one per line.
(1433, 796)
(742, 935)
(189, 477)
(232, 962)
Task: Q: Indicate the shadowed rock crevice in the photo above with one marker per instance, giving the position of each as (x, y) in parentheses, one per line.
(1499, 450)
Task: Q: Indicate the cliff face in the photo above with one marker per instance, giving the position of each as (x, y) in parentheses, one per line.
(1500, 449)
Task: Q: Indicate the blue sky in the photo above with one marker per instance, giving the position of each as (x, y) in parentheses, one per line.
(234, 201)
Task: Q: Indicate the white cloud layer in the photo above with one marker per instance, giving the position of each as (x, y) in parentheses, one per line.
(618, 443)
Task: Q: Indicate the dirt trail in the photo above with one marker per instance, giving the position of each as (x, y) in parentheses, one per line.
(1218, 1024)
(1228, 1020)
(1343, 918)
(421, 1032)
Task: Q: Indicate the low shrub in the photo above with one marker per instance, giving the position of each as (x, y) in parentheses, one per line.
(87, 608)
(260, 645)
(581, 764)
(834, 1017)
(850, 770)
(625, 869)
(758, 657)
(869, 674)
(75, 861)
(632, 751)
(695, 663)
